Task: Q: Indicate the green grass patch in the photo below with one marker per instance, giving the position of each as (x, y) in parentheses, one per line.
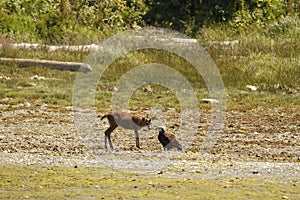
(267, 71)
(35, 85)
(35, 182)
(268, 59)
(244, 100)
(56, 87)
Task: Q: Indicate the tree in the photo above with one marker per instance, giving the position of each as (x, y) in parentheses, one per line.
(188, 15)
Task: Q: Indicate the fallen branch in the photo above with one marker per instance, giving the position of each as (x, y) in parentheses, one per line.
(49, 48)
(95, 47)
(72, 66)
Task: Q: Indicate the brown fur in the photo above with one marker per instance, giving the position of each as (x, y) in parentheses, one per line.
(127, 121)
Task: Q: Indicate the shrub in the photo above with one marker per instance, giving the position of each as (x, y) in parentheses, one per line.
(57, 21)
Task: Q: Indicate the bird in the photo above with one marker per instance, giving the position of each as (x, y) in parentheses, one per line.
(168, 140)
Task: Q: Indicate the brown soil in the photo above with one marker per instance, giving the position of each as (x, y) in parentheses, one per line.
(252, 135)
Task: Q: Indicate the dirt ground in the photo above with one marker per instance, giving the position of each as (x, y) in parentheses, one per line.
(47, 135)
(252, 135)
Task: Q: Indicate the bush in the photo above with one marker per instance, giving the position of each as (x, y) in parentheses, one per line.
(258, 12)
(57, 21)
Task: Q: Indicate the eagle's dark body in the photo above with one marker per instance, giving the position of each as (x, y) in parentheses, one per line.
(168, 140)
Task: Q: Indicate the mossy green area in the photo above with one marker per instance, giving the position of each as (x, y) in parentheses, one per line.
(38, 85)
(46, 182)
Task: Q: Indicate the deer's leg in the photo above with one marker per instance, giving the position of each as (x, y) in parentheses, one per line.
(137, 139)
(107, 136)
(105, 141)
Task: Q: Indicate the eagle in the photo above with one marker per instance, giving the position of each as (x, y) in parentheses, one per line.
(168, 140)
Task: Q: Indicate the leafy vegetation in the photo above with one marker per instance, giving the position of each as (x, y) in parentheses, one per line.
(188, 16)
(267, 58)
(67, 21)
(63, 21)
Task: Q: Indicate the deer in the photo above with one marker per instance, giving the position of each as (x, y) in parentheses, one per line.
(127, 121)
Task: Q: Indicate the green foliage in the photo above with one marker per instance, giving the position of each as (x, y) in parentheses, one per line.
(266, 55)
(66, 21)
(56, 21)
(258, 12)
(189, 16)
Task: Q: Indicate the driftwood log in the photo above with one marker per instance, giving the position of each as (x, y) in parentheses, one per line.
(72, 66)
